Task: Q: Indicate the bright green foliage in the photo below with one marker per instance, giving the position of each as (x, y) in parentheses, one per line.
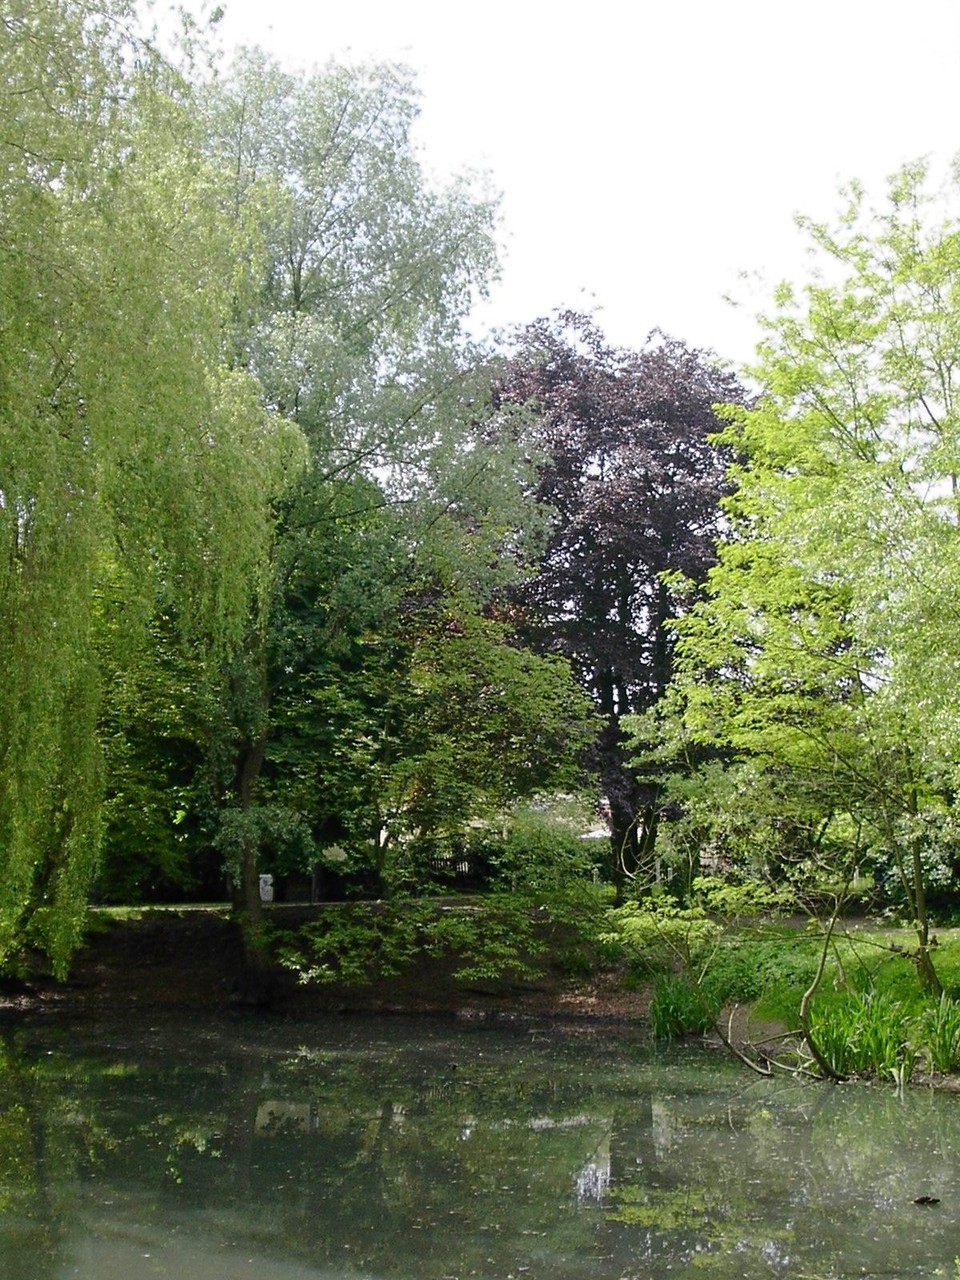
(663, 933)
(694, 951)
(823, 656)
(939, 1034)
(503, 934)
(128, 453)
(679, 1007)
(355, 944)
(866, 1018)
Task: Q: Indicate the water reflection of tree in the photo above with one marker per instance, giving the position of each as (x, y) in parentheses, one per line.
(457, 1165)
(812, 1182)
(47, 1139)
(405, 1161)
(350, 1158)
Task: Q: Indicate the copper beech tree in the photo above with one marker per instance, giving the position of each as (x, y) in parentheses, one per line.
(635, 484)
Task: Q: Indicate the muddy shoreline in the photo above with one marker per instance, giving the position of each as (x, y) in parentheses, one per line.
(188, 960)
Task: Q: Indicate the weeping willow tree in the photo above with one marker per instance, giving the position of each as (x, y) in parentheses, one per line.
(134, 465)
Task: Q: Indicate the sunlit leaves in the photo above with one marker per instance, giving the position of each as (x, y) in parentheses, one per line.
(827, 644)
(126, 450)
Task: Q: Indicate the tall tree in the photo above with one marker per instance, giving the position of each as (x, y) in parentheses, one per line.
(129, 453)
(827, 643)
(635, 485)
(352, 320)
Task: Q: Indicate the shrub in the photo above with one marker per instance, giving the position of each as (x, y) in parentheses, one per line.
(734, 974)
(938, 1034)
(866, 1034)
(679, 1007)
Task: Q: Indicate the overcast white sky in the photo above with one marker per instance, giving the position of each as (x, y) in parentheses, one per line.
(649, 153)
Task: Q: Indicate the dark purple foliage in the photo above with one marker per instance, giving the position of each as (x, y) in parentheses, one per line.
(636, 486)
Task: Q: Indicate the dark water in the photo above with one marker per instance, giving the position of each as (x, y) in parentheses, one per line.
(416, 1149)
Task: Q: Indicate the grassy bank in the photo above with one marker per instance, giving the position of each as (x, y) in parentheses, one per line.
(868, 1017)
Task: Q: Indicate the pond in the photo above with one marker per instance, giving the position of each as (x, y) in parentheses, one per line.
(427, 1150)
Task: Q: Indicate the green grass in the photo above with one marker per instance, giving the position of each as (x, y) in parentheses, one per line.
(869, 1015)
(861, 961)
(940, 1033)
(679, 1008)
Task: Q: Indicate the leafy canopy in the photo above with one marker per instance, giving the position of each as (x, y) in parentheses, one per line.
(826, 647)
(130, 453)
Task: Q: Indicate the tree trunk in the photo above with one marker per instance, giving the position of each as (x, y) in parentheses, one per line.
(803, 1017)
(257, 980)
(625, 849)
(633, 839)
(927, 974)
